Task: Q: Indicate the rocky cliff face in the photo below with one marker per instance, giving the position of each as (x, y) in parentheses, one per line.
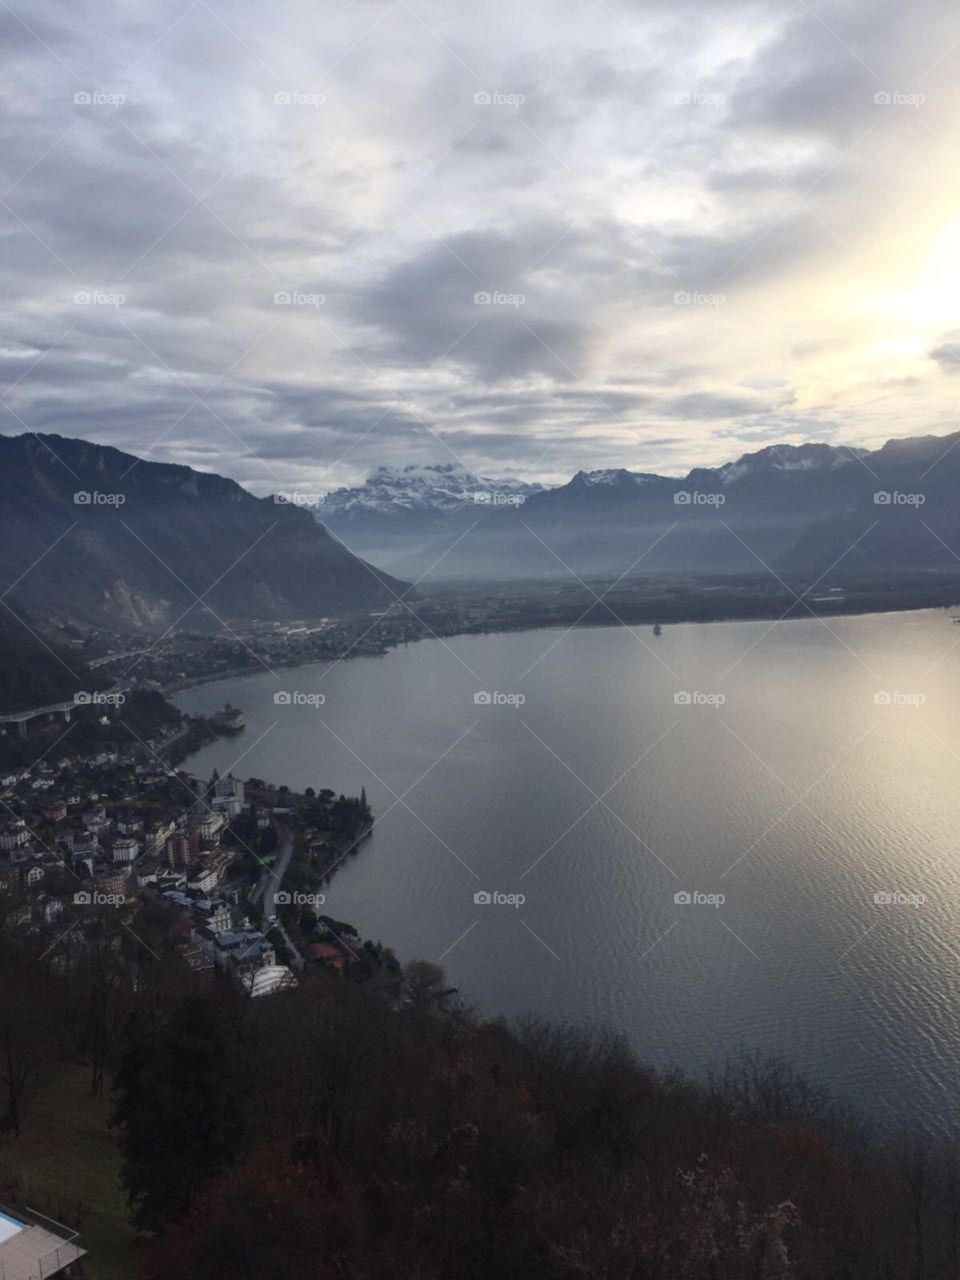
(93, 534)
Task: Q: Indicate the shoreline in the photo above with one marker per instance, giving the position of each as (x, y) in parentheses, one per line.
(584, 623)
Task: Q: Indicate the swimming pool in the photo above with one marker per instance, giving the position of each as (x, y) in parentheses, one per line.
(8, 1227)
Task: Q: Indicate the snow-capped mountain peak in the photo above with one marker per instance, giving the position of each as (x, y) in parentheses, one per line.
(612, 476)
(420, 487)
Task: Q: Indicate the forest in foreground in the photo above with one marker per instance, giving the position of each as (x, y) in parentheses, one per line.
(384, 1131)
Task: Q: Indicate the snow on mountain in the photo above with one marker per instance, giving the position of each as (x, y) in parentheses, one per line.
(612, 476)
(421, 488)
(783, 458)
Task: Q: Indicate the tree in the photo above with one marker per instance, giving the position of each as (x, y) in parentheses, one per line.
(27, 1031)
(178, 1100)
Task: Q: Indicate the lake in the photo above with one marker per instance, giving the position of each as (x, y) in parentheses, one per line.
(779, 776)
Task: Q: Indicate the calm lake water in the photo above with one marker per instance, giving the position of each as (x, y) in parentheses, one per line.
(827, 775)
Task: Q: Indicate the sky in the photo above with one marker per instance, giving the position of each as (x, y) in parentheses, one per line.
(292, 242)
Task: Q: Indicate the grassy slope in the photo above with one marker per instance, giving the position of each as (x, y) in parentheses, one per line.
(67, 1155)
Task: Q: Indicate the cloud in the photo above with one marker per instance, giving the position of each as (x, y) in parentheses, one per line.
(392, 165)
(947, 352)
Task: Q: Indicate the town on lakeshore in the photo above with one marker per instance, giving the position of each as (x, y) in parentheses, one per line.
(101, 835)
(187, 656)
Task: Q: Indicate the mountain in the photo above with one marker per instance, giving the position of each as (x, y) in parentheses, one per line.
(93, 535)
(35, 672)
(796, 507)
(426, 490)
(902, 514)
(406, 517)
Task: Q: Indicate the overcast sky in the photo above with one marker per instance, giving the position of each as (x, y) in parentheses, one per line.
(702, 227)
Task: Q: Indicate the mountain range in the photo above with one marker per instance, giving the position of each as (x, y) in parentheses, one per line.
(92, 535)
(792, 508)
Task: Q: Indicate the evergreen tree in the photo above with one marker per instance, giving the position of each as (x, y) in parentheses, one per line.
(178, 1103)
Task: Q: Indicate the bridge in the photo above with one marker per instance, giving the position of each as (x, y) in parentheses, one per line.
(22, 718)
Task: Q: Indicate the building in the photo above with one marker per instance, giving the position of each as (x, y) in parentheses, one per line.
(125, 849)
(210, 826)
(13, 836)
(157, 836)
(183, 848)
(108, 881)
(34, 874)
(228, 795)
(82, 843)
(205, 880)
(229, 720)
(229, 786)
(96, 819)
